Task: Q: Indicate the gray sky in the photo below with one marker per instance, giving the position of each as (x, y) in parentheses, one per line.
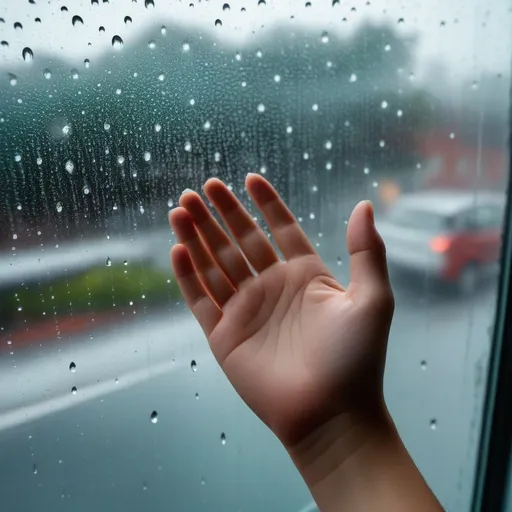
(476, 35)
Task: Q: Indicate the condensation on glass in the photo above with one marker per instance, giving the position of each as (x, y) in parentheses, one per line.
(109, 397)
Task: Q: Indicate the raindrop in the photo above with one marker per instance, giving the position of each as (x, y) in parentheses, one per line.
(186, 47)
(375, 184)
(474, 85)
(366, 170)
(161, 77)
(86, 190)
(117, 42)
(77, 20)
(353, 77)
(308, 4)
(18, 26)
(152, 44)
(207, 125)
(28, 54)
(149, 3)
(325, 37)
(120, 159)
(4, 43)
(106, 126)
(13, 80)
(314, 107)
(118, 91)
(70, 166)
(412, 77)
(188, 146)
(73, 390)
(328, 144)
(312, 216)
(39, 161)
(101, 30)
(218, 23)
(305, 156)
(75, 74)
(387, 48)
(163, 30)
(262, 2)
(338, 260)
(154, 417)
(193, 366)
(144, 486)
(17, 157)
(289, 129)
(400, 21)
(47, 73)
(158, 127)
(38, 20)
(127, 20)
(384, 104)
(72, 367)
(423, 364)
(259, 54)
(170, 203)
(433, 424)
(277, 78)
(64, 9)
(146, 156)
(34, 469)
(226, 7)
(58, 207)
(223, 438)
(261, 108)
(452, 135)
(382, 143)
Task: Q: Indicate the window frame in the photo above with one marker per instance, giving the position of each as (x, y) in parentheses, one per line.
(494, 456)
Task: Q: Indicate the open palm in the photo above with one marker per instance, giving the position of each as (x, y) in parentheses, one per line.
(297, 346)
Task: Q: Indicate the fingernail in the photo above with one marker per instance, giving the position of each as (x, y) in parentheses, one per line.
(252, 174)
(187, 190)
(372, 211)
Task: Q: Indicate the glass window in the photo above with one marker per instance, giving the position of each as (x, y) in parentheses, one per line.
(109, 397)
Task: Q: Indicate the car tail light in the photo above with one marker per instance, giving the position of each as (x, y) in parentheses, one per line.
(440, 244)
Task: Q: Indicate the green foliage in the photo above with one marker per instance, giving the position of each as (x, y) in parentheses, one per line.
(96, 290)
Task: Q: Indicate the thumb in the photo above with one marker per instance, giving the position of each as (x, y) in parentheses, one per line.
(368, 268)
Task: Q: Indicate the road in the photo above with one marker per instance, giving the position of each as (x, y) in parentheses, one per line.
(99, 450)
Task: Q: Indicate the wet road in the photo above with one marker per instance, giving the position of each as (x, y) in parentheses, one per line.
(98, 450)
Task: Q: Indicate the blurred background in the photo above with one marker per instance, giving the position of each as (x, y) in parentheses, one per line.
(109, 397)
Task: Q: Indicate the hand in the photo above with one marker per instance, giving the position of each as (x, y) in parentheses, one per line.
(298, 347)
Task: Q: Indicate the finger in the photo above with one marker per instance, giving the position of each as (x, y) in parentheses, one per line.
(290, 238)
(224, 251)
(249, 236)
(368, 268)
(209, 272)
(200, 303)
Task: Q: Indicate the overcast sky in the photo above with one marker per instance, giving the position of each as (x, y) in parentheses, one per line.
(468, 36)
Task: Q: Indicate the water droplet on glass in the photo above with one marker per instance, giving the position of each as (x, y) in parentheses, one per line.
(64, 9)
(18, 26)
(28, 54)
(387, 48)
(384, 104)
(163, 30)
(108, 262)
(106, 126)
(120, 159)
(127, 20)
(70, 166)
(382, 143)
(13, 80)
(423, 364)
(152, 44)
(146, 156)
(474, 85)
(452, 135)
(223, 438)
(75, 74)
(226, 7)
(399, 113)
(72, 367)
(154, 417)
(117, 42)
(375, 184)
(86, 190)
(58, 207)
(77, 20)
(197, 396)
(73, 390)
(161, 77)
(158, 127)
(325, 37)
(186, 47)
(101, 30)
(261, 108)
(338, 260)
(188, 147)
(328, 144)
(289, 129)
(312, 216)
(193, 366)
(34, 469)
(400, 21)
(277, 78)
(39, 160)
(314, 107)
(218, 23)
(149, 3)
(433, 424)
(353, 77)
(47, 73)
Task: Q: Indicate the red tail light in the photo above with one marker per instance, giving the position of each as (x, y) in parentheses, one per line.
(440, 244)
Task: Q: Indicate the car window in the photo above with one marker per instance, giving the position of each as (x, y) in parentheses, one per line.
(109, 396)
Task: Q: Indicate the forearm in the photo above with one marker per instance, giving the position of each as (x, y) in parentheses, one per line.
(356, 464)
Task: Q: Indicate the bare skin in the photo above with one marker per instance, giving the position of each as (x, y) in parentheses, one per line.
(306, 354)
